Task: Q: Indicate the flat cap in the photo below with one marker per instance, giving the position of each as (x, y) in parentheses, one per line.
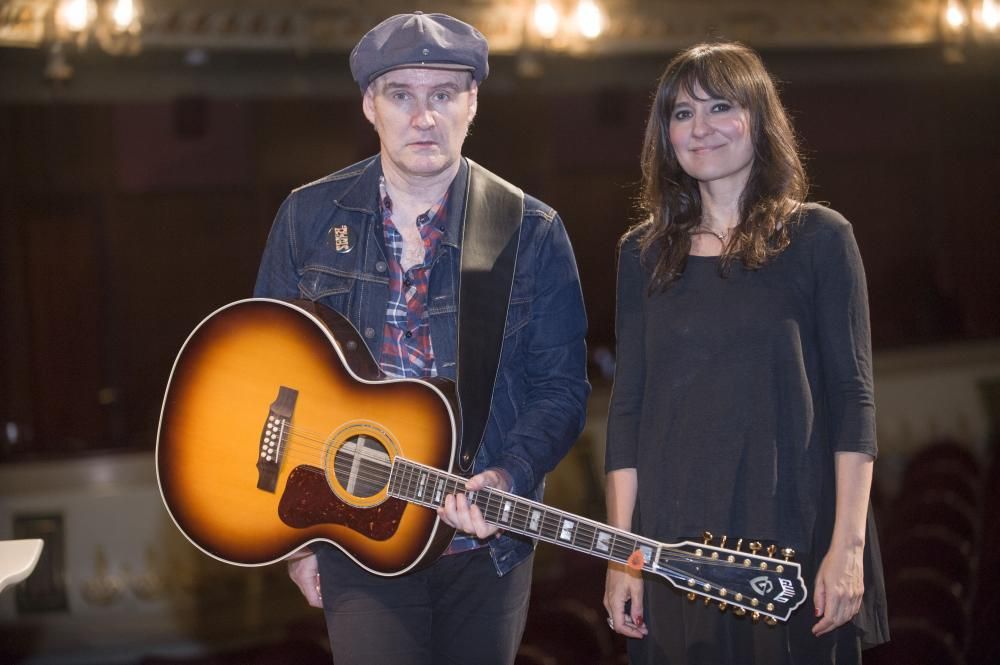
(431, 41)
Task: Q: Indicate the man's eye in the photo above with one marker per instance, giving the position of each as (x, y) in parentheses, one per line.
(442, 97)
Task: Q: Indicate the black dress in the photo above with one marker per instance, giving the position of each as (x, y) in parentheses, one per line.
(732, 393)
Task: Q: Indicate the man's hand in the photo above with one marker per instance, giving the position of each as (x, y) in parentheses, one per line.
(457, 512)
(304, 571)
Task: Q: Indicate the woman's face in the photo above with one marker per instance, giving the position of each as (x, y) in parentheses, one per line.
(711, 138)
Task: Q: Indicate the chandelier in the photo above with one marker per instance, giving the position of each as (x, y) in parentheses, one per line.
(968, 21)
(114, 25)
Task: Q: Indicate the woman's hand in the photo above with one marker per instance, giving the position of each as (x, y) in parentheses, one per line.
(621, 585)
(840, 583)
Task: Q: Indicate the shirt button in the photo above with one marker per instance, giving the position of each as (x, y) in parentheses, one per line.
(409, 334)
(441, 228)
(369, 332)
(380, 266)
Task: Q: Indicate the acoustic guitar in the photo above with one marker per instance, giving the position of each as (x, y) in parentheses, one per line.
(278, 430)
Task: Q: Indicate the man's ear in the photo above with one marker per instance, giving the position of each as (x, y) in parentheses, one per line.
(368, 103)
(473, 100)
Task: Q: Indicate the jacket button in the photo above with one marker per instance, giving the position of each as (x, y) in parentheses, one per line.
(369, 332)
(380, 266)
(466, 458)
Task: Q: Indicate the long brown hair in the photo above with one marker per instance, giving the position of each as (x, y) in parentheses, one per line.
(670, 200)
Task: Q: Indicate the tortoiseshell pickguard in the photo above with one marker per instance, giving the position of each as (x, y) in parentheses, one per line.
(308, 500)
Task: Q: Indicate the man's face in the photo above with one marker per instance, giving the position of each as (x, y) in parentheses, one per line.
(422, 117)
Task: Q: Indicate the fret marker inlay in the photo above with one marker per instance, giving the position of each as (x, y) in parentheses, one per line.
(536, 515)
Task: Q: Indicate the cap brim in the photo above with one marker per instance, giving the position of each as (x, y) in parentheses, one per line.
(449, 66)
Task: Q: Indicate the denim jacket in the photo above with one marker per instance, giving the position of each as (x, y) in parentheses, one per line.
(539, 398)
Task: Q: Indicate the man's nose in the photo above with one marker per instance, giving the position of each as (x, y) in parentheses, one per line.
(423, 118)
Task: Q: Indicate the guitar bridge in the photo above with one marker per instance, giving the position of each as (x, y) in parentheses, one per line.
(274, 438)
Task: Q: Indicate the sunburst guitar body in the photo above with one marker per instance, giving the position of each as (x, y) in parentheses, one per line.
(278, 429)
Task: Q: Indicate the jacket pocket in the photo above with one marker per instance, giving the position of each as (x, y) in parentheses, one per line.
(321, 286)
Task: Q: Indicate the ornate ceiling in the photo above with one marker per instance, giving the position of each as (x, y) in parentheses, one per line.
(633, 26)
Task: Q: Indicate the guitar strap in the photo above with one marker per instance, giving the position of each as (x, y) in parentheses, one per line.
(493, 211)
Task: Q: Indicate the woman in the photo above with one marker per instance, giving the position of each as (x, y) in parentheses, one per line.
(742, 402)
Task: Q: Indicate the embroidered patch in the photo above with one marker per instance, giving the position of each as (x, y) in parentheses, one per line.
(342, 238)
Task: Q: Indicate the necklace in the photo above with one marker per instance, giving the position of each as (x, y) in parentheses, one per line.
(721, 236)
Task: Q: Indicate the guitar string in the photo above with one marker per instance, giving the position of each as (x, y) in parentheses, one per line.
(378, 474)
(549, 524)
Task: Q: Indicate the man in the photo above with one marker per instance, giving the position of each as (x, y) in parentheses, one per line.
(445, 270)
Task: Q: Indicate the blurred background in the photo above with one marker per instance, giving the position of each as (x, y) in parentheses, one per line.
(145, 146)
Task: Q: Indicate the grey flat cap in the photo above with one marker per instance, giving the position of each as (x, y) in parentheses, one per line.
(432, 41)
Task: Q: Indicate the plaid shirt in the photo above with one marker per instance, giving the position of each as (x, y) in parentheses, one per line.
(406, 347)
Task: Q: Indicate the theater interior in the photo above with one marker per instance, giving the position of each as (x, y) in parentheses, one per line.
(145, 147)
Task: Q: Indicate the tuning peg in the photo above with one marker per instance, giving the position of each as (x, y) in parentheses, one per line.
(692, 595)
(723, 605)
(770, 549)
(771, 621)
(755, 616)
(788, 553)
(707, 601)
(739, 611)
(722, 542)
(706, 537)
(755, 546)
(739, 545)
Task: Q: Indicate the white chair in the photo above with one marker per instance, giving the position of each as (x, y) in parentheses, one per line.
(18, 559)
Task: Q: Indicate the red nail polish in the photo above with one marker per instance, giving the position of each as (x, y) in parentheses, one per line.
(818, 613)
(639, 621)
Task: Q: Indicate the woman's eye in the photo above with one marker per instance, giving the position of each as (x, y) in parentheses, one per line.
(722, 107)
(682, 115)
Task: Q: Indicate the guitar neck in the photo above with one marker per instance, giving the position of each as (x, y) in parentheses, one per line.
(428, 486)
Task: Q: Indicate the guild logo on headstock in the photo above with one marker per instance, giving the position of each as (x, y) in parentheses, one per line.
(787, 591)
(762, 585)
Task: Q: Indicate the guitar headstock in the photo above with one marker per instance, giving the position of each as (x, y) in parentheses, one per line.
(747, 578)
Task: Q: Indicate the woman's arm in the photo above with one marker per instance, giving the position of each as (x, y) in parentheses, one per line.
(840, 581)
(622, 584)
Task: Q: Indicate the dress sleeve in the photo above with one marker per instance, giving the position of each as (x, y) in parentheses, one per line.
(630, 367)
(845, 339)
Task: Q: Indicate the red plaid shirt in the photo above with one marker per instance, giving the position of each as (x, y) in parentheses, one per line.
(406, 341)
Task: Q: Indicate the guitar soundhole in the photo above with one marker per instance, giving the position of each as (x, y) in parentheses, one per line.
(362, 465)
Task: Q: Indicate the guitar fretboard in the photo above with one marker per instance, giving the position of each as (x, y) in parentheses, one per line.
(428, 486)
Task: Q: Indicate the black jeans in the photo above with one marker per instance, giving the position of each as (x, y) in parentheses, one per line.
(458, 610)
